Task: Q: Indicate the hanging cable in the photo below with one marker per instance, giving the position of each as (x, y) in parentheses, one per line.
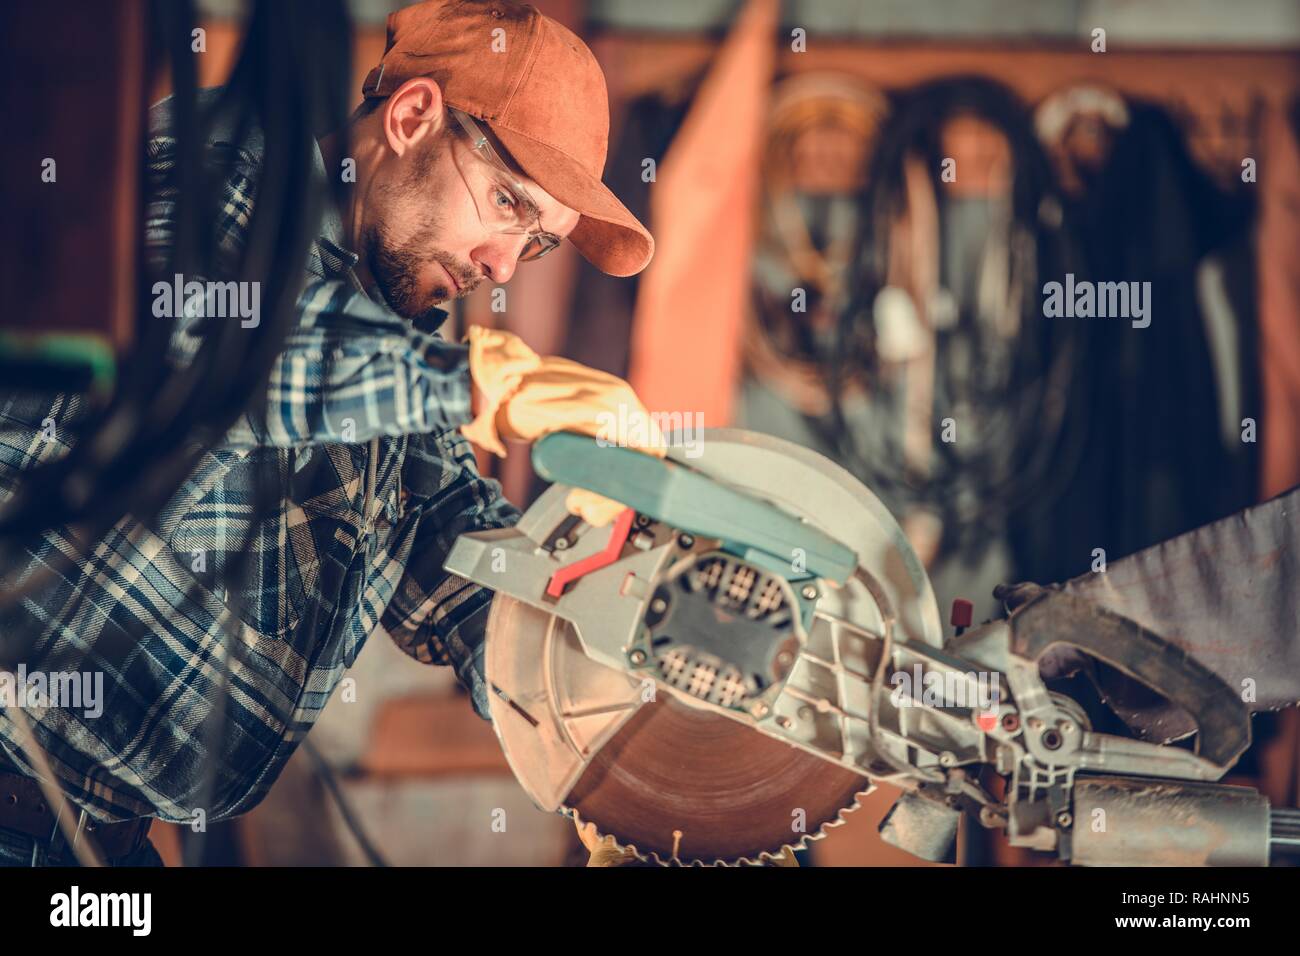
(129, 456)
(1007, 374)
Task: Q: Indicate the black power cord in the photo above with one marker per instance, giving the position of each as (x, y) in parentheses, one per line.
(1017, 390)
(330, 781)
(129, 457)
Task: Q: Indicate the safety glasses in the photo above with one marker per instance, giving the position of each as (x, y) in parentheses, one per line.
(502, 202)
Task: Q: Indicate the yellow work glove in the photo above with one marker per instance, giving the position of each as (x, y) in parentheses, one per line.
(525, 396)
(604, 851)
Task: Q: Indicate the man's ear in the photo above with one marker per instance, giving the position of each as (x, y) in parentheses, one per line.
(413, 114)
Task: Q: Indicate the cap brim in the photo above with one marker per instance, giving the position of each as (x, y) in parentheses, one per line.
(607, 235)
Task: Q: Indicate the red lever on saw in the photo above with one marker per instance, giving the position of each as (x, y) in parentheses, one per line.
(594, 562)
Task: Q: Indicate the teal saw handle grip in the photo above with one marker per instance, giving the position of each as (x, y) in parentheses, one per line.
(693, 502)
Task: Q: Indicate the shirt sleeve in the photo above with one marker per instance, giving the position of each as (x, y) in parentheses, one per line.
(437, 617)
(350, 371)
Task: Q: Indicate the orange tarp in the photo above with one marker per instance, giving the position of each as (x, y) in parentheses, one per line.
(692, 299)
(1279, 305)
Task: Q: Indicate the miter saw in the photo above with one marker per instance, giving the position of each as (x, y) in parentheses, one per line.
(752, 645)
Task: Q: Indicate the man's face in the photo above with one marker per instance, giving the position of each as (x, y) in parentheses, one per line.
(422, 236)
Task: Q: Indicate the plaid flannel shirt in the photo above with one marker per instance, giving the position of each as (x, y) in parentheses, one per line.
(357, 541)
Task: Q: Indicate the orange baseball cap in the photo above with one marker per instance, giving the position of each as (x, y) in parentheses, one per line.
(540, 90)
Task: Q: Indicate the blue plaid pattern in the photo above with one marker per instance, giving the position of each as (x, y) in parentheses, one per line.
(374, 484)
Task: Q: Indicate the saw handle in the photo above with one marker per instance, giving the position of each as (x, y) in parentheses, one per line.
(1054, 617)
(693, 502)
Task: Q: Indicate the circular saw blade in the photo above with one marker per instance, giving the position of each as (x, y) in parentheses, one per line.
(678, 784)
(673, 782)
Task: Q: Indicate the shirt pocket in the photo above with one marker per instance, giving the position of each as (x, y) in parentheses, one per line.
(287, 564)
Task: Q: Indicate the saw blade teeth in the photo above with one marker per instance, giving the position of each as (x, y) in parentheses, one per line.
(763, 856)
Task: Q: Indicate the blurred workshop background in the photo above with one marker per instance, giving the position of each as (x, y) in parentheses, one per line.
(819, 277)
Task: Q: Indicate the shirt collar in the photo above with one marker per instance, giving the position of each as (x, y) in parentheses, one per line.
(329, 260)
(328, 257)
